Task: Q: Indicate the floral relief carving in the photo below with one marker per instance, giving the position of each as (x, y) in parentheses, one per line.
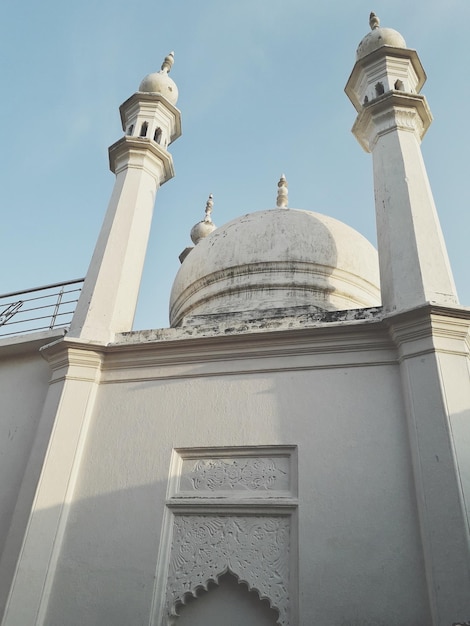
(396, 118)
(251, 474)
(254, 548)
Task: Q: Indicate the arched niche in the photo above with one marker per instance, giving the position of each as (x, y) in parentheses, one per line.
(227, 601)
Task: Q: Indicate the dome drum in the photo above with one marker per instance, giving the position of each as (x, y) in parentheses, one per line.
(271, 286)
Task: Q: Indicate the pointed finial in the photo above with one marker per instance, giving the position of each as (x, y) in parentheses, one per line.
(206, 226)
(209, 205)
(282, 192)
(374, 21)
(168, 62)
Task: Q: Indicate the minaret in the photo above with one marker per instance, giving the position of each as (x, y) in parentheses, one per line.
(141, 162)
(392, 119)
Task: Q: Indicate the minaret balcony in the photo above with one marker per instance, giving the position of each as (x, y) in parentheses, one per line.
(391, 111)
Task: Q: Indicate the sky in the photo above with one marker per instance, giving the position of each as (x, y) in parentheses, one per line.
(261, 93)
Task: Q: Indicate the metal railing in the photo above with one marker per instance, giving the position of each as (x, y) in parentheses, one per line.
(42, 308)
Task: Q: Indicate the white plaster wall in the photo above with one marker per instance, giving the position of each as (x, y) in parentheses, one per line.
(360, 557)
(23, 386)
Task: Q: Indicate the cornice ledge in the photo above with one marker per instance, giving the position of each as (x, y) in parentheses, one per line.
(326, 339)
(69, 351)
(28, 343)
(148, 148)
(393, 110)
(259, 506)
(427, 310)
(422, 325)
(253, 323)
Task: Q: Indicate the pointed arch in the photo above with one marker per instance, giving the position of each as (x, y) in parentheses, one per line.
(399, 86)
(255, 549)
(379, 89)
(220, 594)
(157, 135)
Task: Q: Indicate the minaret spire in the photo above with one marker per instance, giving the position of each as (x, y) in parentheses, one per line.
(142, 163)
(374, 21)
(168, 62)
(392, 119)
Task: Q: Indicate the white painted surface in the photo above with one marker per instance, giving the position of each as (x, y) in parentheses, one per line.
(23, 386)
(358, 531)
(414, 265)
(377, 38)
(276, 258)
(108, 299)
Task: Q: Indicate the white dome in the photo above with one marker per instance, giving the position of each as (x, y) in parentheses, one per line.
(160, 82)
(275, 259)
(377, 38)
(201, 229)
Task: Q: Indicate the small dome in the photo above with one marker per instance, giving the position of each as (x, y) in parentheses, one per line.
(201, 230)
(378, 37)
(160, 82)
(275, 259)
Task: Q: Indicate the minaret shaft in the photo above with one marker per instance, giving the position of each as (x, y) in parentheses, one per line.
(414, 265)
(109, 298)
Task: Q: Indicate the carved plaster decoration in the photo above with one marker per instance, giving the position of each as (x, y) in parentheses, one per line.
(246, 473)
(386, 121)
(401, 118)
(394, 110)
(229, 509)
(253, 548)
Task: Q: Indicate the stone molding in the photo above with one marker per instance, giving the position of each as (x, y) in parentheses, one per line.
(141, 153)
(73, 361)
(392, 111)
(431, 329)
(224, 354)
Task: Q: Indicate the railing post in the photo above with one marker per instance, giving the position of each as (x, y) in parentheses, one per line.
(56, 308)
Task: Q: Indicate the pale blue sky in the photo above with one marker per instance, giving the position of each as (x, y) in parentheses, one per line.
(261, 92)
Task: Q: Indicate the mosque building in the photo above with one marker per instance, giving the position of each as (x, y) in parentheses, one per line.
(294, 449)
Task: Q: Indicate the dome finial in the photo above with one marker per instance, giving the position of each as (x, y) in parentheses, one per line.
(206, 226)
(168, 62)
(374, 21)
(282, 192)
(208, 211)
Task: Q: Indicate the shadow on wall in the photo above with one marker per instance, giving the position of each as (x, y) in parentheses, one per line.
(106, 569)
